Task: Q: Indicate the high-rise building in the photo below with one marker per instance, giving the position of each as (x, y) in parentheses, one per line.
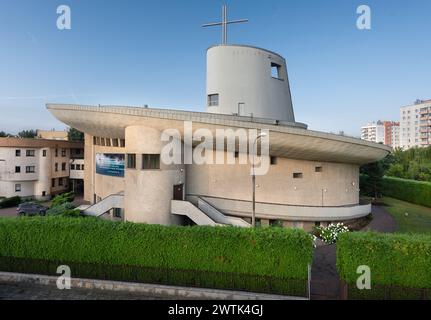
(415, 125)
(392, 134)
(385, 132)
(374, 132)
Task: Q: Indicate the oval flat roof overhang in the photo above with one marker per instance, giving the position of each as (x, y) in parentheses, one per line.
(290, 140)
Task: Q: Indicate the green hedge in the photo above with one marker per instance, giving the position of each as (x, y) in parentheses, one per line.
(263, 259)
(10, 202)
(394, 259)
(412, 191)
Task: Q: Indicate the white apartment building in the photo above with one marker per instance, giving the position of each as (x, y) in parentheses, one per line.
(39, 168)
(386, 132)
(395, 136)
(374, 132)
(415, 125)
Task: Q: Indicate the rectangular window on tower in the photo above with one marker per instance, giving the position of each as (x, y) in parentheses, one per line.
(213, 100)
(276, 71)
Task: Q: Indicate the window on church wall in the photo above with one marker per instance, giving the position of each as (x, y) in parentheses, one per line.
(131, 161)
(150, 161)
(297, 175)
(213, 100)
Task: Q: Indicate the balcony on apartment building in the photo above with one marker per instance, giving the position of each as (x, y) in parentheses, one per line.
(424, 111)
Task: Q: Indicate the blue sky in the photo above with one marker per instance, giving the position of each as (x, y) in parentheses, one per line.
(136, 52)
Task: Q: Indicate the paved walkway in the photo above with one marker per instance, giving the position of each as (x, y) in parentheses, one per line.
(29, 291)
(382, 221)
(325, 281)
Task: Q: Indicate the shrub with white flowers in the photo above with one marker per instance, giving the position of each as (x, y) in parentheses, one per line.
(330, 233)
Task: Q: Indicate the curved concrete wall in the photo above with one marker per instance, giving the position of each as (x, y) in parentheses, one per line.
(43, 184)
(242, 75)
(148, 193)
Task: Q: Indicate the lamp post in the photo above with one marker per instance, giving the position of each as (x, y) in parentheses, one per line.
(253, 180)
(323, 191)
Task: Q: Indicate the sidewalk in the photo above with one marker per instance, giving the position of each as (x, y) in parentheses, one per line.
(325, 281)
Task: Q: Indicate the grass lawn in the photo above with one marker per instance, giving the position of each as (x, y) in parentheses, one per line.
(417, 219)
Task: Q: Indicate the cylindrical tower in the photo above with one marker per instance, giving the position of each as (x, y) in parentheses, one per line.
(248, 81)
(42, 187)
(150, 185)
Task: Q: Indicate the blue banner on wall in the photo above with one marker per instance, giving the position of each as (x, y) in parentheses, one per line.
(110, 164)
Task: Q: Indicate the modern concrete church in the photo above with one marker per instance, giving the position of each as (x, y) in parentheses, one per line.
(313, 177)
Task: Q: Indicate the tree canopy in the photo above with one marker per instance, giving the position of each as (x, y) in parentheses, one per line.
(27, 134)
(414, 164)
(75, 135)
(5, 134)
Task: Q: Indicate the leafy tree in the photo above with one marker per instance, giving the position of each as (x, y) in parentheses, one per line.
(75, 135)
(414, 163)
(396, 170)
(5, 135)
(27, 134)
(372, 176)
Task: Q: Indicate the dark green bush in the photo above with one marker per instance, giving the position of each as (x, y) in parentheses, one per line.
(66, 209)
(266, 259)
(10, 202)
(394, 259)
(62, 199)
(412, 191)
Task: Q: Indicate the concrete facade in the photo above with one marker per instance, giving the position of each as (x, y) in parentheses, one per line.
(35, 168)
(415, 125)
(244, 79)
(313, 177)
(327, 190)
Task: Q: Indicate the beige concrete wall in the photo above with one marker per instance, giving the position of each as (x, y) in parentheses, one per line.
(43, 184)
(301, 214)
(148, 193)
(52, 135)
(341, 182)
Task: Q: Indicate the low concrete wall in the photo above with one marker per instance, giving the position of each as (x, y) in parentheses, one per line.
(154, 290)
(269, 211)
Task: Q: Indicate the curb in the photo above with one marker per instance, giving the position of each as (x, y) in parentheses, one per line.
(155, 290)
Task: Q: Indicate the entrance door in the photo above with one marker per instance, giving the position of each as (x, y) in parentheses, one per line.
(178, 192)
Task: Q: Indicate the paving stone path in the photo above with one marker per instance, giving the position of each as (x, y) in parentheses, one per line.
(325, 281)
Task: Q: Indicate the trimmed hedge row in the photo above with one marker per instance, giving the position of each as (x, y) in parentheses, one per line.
(394, 259)
(263, 259)
(418, 192)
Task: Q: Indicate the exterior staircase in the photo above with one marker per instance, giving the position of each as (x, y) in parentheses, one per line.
(205, 214)
(100, 208)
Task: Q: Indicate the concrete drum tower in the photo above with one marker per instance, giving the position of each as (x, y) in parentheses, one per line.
(248, 81)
